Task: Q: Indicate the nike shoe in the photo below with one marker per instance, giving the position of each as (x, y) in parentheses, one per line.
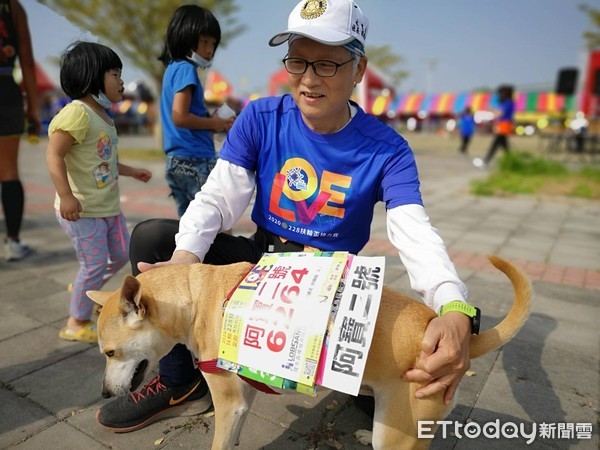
(153, 402)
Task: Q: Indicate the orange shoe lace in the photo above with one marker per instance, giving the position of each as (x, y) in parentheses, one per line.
(152, 388)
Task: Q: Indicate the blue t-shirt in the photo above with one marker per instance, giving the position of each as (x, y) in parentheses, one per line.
(507, 110)
(320, 189)
(467, 124)
(177, 140)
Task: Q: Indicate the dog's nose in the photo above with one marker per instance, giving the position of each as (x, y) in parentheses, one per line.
(106, 393)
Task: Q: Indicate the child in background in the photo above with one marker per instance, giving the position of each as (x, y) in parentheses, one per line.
(192, 38)
(83, 164)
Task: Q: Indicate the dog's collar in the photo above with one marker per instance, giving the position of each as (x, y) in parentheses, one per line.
(209, 366)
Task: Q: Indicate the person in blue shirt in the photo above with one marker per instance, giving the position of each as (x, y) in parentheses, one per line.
(315, 165)
(192, 39)
(467, 127)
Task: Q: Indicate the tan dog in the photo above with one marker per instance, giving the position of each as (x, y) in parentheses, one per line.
(141, 322)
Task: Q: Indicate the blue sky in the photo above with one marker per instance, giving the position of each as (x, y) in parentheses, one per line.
(447, 45)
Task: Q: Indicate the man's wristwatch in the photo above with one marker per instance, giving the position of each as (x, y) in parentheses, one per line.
(473, 312)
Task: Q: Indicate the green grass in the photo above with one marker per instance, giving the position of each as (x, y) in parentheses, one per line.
(524, 173)
(591, 173)
(527, 164)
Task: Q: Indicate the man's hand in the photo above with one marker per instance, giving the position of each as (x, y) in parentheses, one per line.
(444, 357)
(179, 257)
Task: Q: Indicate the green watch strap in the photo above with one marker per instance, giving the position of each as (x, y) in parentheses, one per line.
(470, 311)
(458, 306)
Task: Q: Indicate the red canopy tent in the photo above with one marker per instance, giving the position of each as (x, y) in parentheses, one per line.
(278, 83)
(44, 83)
(374, 85)
(217, 89)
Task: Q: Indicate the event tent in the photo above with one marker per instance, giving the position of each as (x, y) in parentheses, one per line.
(44, 83)
(447, 104)
(217, 89)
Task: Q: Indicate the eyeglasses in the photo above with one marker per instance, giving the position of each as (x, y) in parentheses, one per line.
(322, 68)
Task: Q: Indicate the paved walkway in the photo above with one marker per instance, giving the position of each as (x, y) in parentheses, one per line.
(50, 389)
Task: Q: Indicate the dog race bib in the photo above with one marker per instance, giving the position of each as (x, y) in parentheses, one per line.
(303, 319)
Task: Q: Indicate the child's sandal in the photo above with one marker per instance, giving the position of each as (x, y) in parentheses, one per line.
(87, 333)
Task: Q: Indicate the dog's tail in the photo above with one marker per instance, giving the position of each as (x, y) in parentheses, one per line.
(516, 318)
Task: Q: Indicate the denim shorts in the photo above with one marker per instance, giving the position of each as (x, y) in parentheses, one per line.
(186, 176)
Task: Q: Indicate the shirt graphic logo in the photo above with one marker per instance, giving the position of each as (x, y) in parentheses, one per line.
(298, 194)
(104, 146)
(102, 175)
(296, 179)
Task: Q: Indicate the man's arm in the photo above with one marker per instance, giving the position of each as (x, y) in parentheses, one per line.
(444, 354)
(217, 207)
(424, 255)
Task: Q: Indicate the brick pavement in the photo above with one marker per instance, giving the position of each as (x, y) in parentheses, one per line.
(150, 203)
(547, 374)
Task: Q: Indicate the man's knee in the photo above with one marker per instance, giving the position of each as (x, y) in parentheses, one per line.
(152, 240)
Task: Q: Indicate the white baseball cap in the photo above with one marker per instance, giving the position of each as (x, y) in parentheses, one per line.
(330, 22)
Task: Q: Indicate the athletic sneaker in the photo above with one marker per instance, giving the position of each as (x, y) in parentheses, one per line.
(15, 250)
(153, 402)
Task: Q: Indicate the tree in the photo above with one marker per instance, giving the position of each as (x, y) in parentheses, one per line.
(387, 61)
(592, 37)
(136, 28)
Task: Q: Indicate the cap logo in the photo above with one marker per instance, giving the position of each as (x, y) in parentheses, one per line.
(359, 28)
(313, 9)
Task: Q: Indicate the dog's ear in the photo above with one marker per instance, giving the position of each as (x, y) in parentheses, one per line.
(131, 303)
(99, 297)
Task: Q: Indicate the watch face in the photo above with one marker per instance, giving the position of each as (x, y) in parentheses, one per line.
(476, 321)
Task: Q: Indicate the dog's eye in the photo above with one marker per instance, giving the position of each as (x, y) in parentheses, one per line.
(110, 353)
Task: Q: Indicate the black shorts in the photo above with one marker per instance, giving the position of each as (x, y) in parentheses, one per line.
(12, 112)
(153, 240)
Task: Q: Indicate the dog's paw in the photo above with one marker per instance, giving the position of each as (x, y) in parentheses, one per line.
(364, 437)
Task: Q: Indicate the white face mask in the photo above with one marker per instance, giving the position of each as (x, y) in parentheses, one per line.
(199, 61)
(102, 100)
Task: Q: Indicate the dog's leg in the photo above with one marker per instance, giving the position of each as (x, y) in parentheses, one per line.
(232, 399)
(397, 413)
(249, 396)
